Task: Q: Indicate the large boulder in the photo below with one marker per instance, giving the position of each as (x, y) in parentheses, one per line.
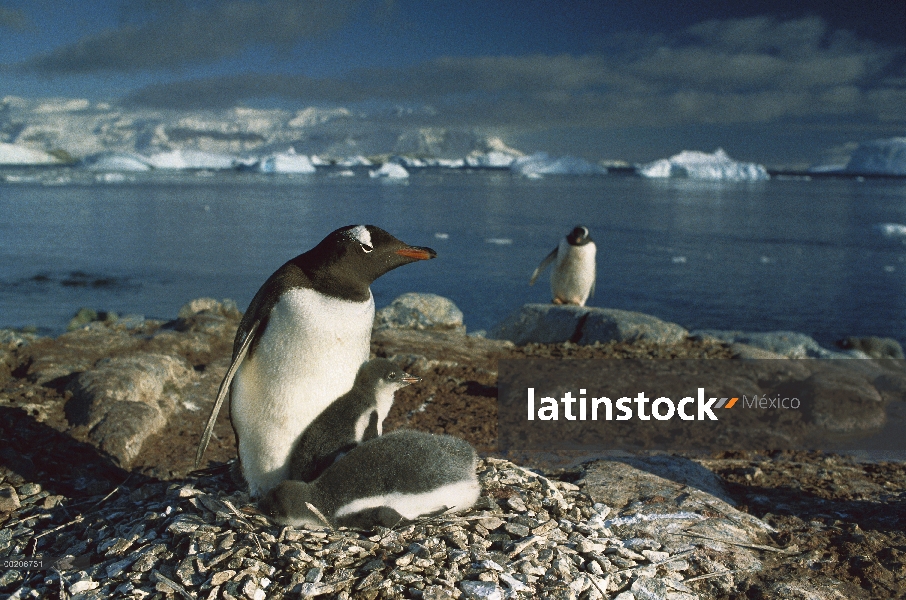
(420, 311)
(126, 399)
(549, 324)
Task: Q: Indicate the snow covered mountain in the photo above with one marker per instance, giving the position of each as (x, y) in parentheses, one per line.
(218, 138)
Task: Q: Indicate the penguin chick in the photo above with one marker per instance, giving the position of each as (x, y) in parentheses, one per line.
(403, 475)
(300, 344)
(573, 277)
(355, 416)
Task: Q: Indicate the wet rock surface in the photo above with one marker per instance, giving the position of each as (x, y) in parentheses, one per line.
(733, 525)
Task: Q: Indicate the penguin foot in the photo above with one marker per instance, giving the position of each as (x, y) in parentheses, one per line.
(557, 301)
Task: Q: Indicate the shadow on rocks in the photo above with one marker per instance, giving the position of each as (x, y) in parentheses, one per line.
(37, 453)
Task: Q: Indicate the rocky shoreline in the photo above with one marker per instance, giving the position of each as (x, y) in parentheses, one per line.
(100, 427)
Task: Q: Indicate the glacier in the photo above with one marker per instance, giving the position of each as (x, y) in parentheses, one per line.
(184, 158)
(541, 163)
(693, 164)
(16, 155)
(880, 157)
(116, 161)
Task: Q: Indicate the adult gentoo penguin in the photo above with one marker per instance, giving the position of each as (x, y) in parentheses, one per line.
(300, 345)
(399, 476)
(354, 417)
(573, 277)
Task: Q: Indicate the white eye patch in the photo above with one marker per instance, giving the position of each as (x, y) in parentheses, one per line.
(361, 234)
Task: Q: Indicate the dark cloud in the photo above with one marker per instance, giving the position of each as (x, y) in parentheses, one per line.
(11, 18)
(180, 35)
(756, 70)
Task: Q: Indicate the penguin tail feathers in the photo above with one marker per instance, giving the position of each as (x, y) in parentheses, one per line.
(223, 391)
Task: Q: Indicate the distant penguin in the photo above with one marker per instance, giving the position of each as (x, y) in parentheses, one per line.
(300, 345)
(573, 277)
(388, 479)
(354, 417)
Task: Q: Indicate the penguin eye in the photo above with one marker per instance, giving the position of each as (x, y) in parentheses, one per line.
(367, 248)
(392, 375)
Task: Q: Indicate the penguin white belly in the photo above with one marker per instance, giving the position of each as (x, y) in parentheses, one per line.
(308, 357)
(574, 273)
(453, 496)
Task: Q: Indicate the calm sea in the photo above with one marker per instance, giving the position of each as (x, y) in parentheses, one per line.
(784, 254)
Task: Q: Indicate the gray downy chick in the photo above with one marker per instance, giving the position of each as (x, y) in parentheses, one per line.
(387, 480)
(355, 416)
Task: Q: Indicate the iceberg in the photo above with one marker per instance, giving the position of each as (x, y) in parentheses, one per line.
(390, 171)
(692, 164)
(117, 162)
(881, 157)
(892, 230)
(287, 162)
(355, 161)
(14, 154)
(492, 160)
(540, 163)
(182, 159)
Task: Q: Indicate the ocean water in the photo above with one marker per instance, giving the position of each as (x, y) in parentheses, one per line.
(783, 254)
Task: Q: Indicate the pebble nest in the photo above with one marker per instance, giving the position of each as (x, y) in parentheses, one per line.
(527, 537)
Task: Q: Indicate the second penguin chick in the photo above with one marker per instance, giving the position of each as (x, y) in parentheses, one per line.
(354, 417)
(396, 477)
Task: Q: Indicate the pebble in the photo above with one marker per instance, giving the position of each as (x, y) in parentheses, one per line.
(528, 537)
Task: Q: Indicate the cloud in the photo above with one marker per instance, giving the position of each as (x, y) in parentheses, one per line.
(182, 36)
(10, 18)
(740, 71)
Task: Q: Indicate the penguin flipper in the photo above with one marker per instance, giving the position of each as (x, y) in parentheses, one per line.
(547, 260)
(224, 390)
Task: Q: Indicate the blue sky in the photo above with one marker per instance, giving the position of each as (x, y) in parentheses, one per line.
(777, 82)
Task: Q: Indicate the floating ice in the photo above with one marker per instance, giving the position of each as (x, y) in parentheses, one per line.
(14, 154)
(390, 171)
(492, 160)
(118, 162)
(442, 236)
(692, 164)
(286, 162)
(882, 157)
(183, 159)
(355, 161)
(541, 163)
(893, 230)
(499, 241)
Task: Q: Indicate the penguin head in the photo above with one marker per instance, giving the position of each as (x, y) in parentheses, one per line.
(381, 373)
(579, 236)
(286, 504)
(356, 255)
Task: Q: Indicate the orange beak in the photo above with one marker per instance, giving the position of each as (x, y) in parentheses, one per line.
(417, 252)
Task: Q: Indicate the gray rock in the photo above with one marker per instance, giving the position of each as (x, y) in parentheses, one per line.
(9, 500)
(873, 347)
(844, 402)
(548, 324)
(789, 344)
(125, 400)
(227, 308)
(420, 311)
